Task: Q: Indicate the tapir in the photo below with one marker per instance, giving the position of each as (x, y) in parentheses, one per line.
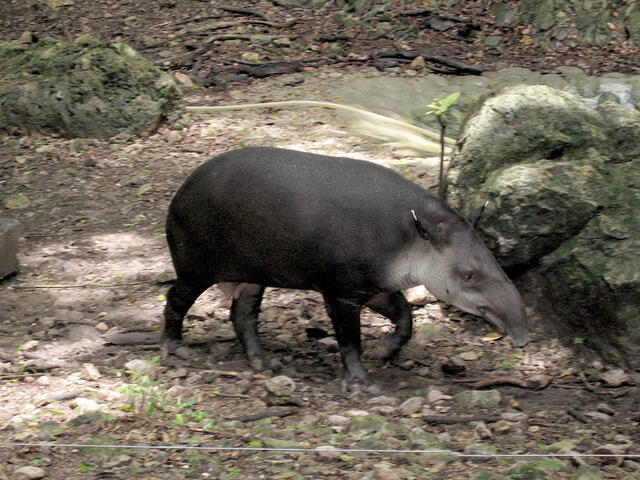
(357, 232)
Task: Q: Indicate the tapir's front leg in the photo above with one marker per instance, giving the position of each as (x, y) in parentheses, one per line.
(345, 316)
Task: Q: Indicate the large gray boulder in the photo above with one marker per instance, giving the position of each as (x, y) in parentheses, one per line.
(86, 88)
(563, 182)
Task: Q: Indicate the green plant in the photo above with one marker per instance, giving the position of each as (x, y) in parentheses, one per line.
(439, 107)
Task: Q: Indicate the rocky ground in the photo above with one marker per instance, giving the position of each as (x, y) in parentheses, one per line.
(79, 323)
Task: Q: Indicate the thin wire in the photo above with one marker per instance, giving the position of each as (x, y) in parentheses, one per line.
(321, 450)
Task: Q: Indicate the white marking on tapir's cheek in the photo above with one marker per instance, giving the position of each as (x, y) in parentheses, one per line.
(417, 266)
(432, 273)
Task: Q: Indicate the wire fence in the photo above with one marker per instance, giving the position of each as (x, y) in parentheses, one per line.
(325, 450)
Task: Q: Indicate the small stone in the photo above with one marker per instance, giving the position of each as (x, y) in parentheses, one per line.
(172, 137)
(480, 449)
(330, 343)
(103, 327)
(501, 426)
(84, 405)
(434, 395)
(615, 378)
(183, 79)
(180, 372)
(469, 356)
(282, 42)
(25, 38)
(138, 367)
(90, 372)
(78, 144)
(407, 365)
(418, 63)
(29, 472)
(17, 201)
(410, 406)
(355, 413)
(250, 56)
(602, 417)
(339, 420)
(586, 472)
(178, 392)
(423, 371)
(514, 416)
(482, 430)
(44, 380)
(280, 386)
(327, 451)
(382, 400)
(384, 409)
(478, 399)
(604, 408)
(453, 366)
(385, 471)
(48, 149)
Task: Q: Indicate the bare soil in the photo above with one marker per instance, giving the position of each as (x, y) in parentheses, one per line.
(94, 267)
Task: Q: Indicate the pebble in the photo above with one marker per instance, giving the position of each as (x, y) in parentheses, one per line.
(30, 472)
(384, 409)
(436, 395)
(615, 378)
(514, 416)
(139, 366)
(382, 400)
(103, 327)
(355, 413)
(603, 417)
(280, 386)
(90, 372)
(84, 405)
(384, 471)
(482, 430)
(339, 420)
(410, 406)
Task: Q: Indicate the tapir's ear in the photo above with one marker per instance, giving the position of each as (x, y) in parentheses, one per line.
(421, 230)
(474, 215)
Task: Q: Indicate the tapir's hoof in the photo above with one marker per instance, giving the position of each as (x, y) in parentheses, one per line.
(358, 386)
(168, 346)
(388, 349)
(262, 364)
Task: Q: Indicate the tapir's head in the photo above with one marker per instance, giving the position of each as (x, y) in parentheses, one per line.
(456, 266)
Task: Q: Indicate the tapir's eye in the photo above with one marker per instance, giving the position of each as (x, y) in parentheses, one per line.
(468, 276)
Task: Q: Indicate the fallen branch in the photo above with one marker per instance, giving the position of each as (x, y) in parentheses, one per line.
(244, 11)
(534, 383)
(577, 415)
(226, 373)
(451, 420)
(461, 67)
(84, 285)
(262, 415)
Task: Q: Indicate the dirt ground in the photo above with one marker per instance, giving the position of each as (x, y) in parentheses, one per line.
(94, 269)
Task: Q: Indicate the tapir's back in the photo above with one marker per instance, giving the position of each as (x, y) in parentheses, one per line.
(287, 218)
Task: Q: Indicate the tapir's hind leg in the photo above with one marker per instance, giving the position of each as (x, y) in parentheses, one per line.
(395, 307)
(180, 297)
(244, 315)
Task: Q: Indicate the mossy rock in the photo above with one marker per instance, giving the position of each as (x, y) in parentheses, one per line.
(87, 88)
(563, 185)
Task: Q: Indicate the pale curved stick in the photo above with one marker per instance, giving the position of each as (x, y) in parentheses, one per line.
(336, 106)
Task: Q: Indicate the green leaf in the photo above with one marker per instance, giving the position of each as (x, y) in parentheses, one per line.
(578, 340)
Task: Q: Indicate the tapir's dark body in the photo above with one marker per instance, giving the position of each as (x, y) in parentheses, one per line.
(354, 231)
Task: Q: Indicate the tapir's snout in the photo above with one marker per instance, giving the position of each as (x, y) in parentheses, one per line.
(519, 339)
